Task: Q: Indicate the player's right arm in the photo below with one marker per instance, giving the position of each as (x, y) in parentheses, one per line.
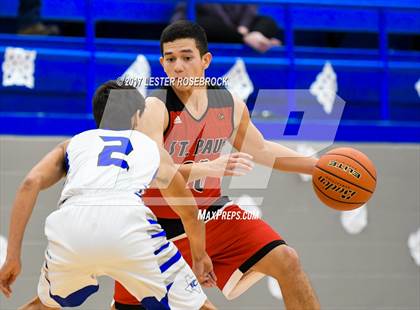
(172, 185)
(174, 189)
(234, 164)
(155, 120)
(43, 175)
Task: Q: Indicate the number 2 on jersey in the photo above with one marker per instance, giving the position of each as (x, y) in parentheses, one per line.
(105, 157)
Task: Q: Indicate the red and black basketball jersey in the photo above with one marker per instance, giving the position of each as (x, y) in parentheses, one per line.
(188, 140)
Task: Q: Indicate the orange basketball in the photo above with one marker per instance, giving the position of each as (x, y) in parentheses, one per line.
(344, 179)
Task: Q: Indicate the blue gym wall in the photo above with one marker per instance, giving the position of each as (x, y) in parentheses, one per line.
(376, 83)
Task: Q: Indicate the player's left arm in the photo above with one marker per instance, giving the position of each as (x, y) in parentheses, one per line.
(247, 138)
(43, 175)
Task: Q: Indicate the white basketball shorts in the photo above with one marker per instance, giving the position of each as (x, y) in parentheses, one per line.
(87, 239)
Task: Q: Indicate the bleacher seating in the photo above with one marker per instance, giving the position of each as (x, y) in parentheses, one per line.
(377, 83)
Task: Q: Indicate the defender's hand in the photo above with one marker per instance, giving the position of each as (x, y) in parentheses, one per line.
(203, 270)
(8, 274)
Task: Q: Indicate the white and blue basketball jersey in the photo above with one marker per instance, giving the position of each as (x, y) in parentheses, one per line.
(109, 161)
(103, 229)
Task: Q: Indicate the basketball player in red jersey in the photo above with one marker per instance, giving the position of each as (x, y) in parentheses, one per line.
(193, 123)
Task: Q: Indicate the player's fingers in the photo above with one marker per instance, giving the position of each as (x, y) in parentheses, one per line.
(241, 155)
(240, 167)
(5, 289)
(234, 173)
(10, 281)
(206, 284)
(232, 166)
(202, 276)
(205, 281)
(212, 274)
(241, 159)
(210, 282)
(12, 278)
(9, 291)
(244, 161)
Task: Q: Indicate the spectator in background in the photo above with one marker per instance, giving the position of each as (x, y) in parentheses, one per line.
(234, 23)
(29, 19)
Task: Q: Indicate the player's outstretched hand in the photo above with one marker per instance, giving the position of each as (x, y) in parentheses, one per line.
(235, 164)
(203, 270)
(8, 274)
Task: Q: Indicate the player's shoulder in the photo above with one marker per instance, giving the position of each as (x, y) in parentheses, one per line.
(134, 136)
(82, 135)
(81, 140)
(159, 91)
(241, 111)
(160, 94)
(220, 96)
(90, 135)
(139, 138)
(138, 134)
(165, 98)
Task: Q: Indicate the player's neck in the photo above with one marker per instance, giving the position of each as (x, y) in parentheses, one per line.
(193, 98)
(195, 101)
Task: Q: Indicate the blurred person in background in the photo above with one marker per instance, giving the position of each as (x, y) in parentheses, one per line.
(234, 23)
(29, 19)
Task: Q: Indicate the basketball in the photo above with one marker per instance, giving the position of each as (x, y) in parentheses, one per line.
(344, 179)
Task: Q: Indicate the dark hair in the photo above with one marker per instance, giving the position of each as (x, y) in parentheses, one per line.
(184, 29)
(115, 103)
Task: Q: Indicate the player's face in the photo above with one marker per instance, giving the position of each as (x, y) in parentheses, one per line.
(181, 59)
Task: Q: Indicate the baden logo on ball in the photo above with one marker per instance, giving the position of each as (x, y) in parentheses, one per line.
(344, 179)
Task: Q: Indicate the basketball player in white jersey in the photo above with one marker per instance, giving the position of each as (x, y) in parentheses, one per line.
(102, 226)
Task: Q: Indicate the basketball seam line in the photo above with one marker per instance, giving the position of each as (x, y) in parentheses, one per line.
(351, 203)
(326, 171)
(355, 161)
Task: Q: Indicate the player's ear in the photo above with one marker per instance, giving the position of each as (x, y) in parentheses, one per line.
(206, 59)
(135, 119)
(162, 61)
